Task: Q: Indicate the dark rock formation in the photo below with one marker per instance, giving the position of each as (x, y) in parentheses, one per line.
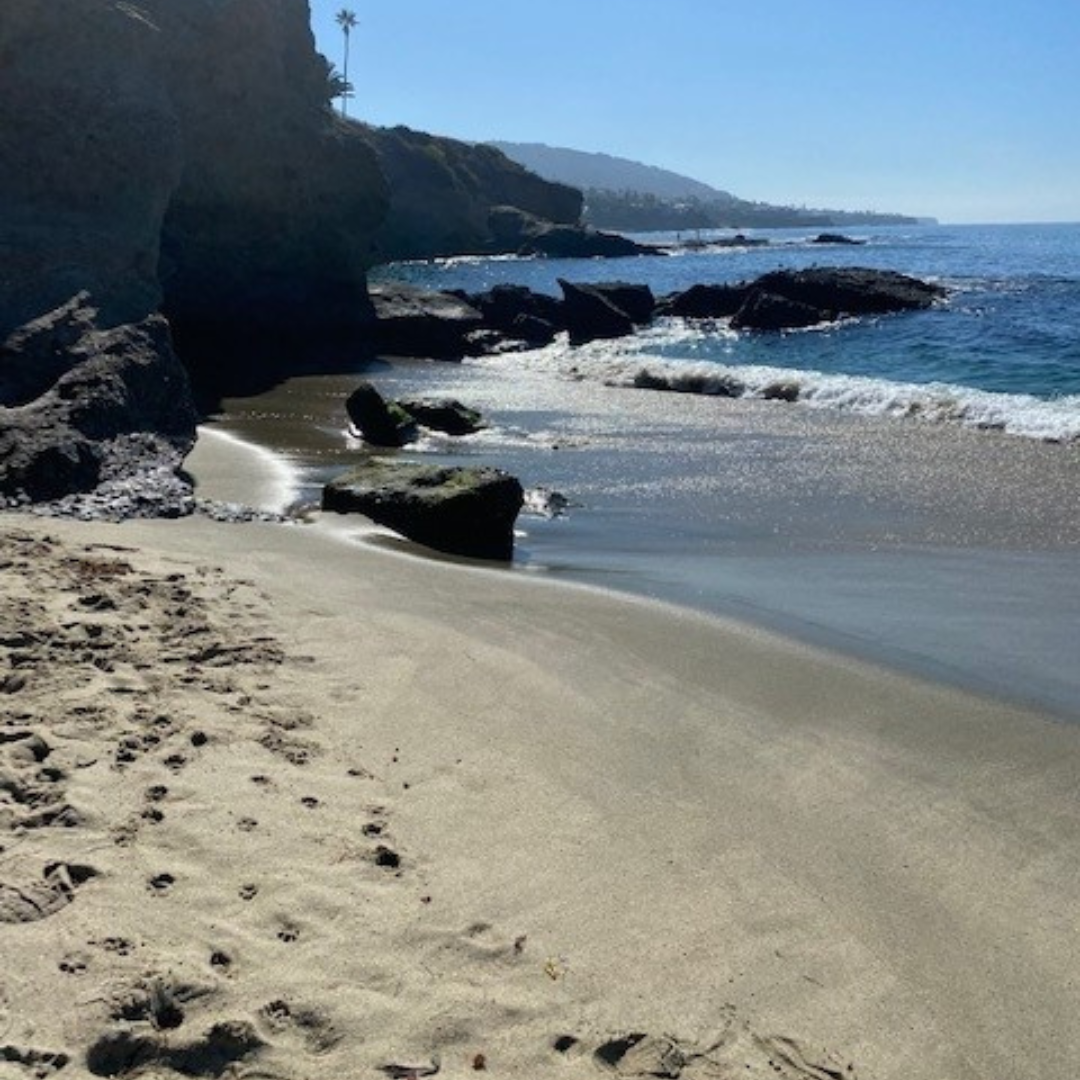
(851, 290)
(704, 302)
(589, 314)
(270, 229)
(467, 512)
(766, 311)
(635, 301)
(420, 322)
(787, 299)
(502, 306)
(442, 192)
(515, 231)
(107, 400)
(90, 154)
(443, 414)
(679, 382)
(533, 331)
(163, 154)
(378, 421)
(836, 238)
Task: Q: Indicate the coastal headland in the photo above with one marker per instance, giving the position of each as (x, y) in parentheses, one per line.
(276, 803)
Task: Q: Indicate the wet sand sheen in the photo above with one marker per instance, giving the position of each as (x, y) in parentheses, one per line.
(945, 552)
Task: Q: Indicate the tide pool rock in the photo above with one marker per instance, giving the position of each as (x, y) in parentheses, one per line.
(447, 415)
(379, 422)
(460, 511)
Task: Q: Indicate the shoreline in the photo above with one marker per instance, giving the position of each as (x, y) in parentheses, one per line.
(890, 565)
(612, 817)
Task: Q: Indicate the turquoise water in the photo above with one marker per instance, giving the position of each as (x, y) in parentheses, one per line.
(1003, 350)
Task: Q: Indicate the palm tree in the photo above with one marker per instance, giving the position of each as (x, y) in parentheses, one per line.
(346, 19)
(337, 86)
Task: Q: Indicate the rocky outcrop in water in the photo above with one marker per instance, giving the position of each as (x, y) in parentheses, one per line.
(460, 511)
(422, 322)
(792, 299)
(516, 317)
(378, 421)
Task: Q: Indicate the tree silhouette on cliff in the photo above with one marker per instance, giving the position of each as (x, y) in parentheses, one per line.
(346, 19)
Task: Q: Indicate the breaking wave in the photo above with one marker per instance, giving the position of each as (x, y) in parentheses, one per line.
(640, 362)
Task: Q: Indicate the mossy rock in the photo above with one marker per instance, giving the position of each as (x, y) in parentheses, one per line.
(461, 511)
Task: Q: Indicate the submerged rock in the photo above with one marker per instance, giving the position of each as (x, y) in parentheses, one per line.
(460, 511)
(836, 238)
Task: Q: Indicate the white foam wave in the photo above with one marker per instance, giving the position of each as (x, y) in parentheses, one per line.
(635, 362)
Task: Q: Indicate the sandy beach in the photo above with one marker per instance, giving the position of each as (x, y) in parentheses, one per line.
(274, 803)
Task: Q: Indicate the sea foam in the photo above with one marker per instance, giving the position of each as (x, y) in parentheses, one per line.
(640, 362)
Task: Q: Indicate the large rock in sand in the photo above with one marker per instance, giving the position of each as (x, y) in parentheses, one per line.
(79, 404)
(460, 511)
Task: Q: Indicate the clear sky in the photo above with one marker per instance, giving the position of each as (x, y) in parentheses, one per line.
(965, 110)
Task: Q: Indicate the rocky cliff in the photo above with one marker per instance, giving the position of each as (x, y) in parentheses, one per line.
(161, 155)
(442, 192)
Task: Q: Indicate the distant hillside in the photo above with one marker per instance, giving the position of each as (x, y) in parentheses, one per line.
(632, 197)
(604, 172)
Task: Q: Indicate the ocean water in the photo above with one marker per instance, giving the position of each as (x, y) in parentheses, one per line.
(1003, 351)
(918, 506)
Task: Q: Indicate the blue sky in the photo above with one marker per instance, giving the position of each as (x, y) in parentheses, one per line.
(963, 110)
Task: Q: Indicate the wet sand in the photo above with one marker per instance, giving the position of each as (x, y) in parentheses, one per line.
(323, 809)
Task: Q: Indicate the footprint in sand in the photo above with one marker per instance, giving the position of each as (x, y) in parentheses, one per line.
(288, 934)
(736, 1051)
(160, 884)
(313, 1026)
(36, 1063)
(26, 898)
(216, 1053)
(73, 964)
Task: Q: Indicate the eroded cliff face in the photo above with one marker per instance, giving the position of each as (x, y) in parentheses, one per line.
(442, 192)
(174, 155)
(270, 227)
(90, 154)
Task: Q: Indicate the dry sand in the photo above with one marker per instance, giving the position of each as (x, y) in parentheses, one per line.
(275, 804)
